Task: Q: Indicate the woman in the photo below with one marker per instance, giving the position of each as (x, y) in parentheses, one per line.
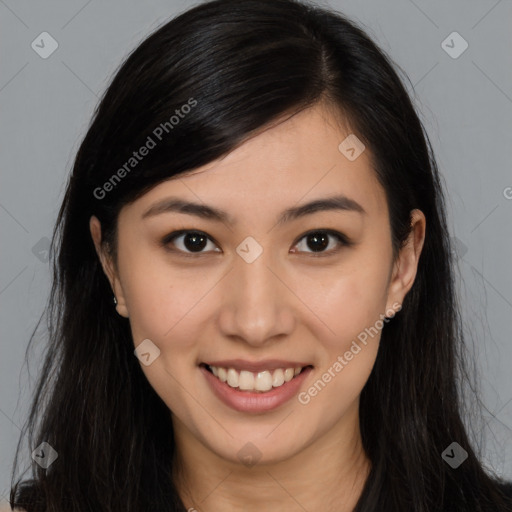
(253, 302)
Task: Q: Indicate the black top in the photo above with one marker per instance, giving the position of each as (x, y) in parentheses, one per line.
(507, 490)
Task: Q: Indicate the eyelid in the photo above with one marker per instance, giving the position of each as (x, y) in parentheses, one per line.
(343, 241)
(167, 239)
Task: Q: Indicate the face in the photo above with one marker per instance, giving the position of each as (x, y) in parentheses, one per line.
(255, 290)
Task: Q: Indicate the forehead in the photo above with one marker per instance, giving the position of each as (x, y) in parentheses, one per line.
(285, 164)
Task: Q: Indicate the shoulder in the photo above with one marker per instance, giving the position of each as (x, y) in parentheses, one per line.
(505, 487)
(506, 490)
(5, 507)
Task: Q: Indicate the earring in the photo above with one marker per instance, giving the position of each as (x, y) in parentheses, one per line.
(115, 300)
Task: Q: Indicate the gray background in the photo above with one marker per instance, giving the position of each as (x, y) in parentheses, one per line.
(465, 103)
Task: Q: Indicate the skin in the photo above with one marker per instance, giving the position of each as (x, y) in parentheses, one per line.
(285, 304)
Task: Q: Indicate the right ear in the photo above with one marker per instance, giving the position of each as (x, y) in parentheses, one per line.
(108, 266)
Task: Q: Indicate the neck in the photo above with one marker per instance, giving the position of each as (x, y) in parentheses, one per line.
(329, 474)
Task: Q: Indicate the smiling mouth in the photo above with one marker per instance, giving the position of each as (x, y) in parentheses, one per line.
(255, 382)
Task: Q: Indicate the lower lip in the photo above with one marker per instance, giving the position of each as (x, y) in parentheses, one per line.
(247, 401)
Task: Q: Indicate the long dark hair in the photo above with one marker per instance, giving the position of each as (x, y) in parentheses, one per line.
(239, 65)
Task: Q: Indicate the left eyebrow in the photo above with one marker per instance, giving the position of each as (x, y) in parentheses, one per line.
(172, 204)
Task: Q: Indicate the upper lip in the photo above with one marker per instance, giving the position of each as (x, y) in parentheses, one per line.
(256, 366)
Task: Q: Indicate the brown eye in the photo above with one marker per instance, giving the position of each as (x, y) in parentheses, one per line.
(318, 241)
(188, 242)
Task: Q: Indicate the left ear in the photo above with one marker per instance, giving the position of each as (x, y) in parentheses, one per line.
(406, 265)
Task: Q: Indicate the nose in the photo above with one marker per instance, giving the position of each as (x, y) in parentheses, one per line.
(257, 305)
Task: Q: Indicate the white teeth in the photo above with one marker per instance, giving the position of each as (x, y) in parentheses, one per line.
(263, 381)
(246, 380)
(278, 378)
(232, 378)
(249, 381)
(223, 374)
(288, 374)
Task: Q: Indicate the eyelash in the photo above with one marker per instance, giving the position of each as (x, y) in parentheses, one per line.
(343, 241)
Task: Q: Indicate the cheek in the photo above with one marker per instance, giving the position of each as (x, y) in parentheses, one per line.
(164, 301)
(353, 309)
(354, 301)
(166, 306)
